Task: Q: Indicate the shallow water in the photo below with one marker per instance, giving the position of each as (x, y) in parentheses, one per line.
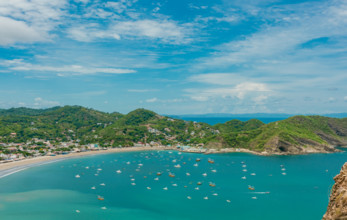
(53, 192)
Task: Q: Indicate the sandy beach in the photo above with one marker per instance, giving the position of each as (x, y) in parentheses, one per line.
(16, 166)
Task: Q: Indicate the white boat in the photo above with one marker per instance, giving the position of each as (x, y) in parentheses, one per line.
(77, 176)
(102, 184)
(119, 171)
(204, 174)
(213, 171)
(253, 174)
(93, 187)
(188, 197)
(195, 165)
(177, 166)
(188, 174)
(228, 200)
(103, 208)
(165, 188)
(148, 187)
(243, 177)
(206, 197)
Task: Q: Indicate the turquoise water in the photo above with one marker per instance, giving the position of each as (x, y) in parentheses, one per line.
(216, 120)
(53, 192)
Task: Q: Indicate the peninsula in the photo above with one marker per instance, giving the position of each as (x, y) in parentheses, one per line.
(26, 133)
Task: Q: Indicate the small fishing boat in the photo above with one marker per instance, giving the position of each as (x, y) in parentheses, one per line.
(93, 187)
(171, 175)
(210, 161)
(77, 176)
(177, 166)
(188, 174)
(188, 197)
(148, 187)
(198, 160)
(118, 171)
(206, 198)
(102, 184)
(213, 171)
(103, 208)
(158, 173)
(101, 198)
(199, 183)
(243, 177)
(204, 174)
(165, 188)
(251, 188)
(212, 184)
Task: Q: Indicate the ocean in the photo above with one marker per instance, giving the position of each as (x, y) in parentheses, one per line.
(137, 185)
(216, 120)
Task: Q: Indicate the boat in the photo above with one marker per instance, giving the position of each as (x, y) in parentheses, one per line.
(171, 175)
(206, 197)
(101, 198)
(188, 174)
(148, 187)
(253, 174)
(213, 171)
(103, 208)
(119, 171)
(165, 188)
(210, 161)
(251, 188)
(204, 174)
(212, 184)
(188, 197)
(243, 177)
(195, 165)
(199, 183)
(198, 160)
(102, 184)
(158, 173)
(77, 176)
(177, 166)
(93, 187)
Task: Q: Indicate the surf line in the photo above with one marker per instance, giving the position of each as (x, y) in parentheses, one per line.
(16, 171)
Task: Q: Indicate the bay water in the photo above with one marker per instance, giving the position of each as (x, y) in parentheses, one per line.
(173, 185)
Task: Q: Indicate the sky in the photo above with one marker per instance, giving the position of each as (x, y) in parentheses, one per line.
(175, 56)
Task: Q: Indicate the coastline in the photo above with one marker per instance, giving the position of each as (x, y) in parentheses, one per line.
(16, 166)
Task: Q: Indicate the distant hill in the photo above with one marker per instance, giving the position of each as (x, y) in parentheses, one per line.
(294, 135)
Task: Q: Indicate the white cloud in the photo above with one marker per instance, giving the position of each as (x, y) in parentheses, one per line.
(12, 32)
(35, 18)
(240, 91)
(19, 65)
(142, 90)
(152, 100)
(42, 103)
(164, 30)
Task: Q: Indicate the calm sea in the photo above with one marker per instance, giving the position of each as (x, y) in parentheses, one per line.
(285, 187)
(216, 120)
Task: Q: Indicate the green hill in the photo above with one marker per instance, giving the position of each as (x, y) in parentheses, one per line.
(295, 135)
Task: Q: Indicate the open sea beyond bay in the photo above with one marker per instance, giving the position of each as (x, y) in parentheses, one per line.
(285, 187)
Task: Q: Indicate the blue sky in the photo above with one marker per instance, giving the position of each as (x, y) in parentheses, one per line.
(175, 57)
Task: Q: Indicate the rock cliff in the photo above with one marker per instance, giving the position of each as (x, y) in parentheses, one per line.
(337, 208)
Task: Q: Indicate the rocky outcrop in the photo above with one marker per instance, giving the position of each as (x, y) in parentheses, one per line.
(337, 208)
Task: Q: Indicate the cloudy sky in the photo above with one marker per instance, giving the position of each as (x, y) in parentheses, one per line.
(175, 56)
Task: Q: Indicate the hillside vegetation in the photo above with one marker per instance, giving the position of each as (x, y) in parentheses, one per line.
(295, 135)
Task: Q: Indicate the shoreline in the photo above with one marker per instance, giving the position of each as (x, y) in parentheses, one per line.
(16, 166)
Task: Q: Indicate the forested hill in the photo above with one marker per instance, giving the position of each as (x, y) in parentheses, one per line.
(298, 134)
